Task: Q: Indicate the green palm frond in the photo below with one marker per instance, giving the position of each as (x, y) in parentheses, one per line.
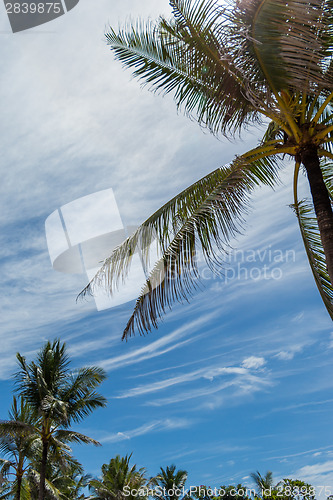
(115, 476)
(203, 218)
(5, 465)
(314, 250)
(81, 382)
(263, 482)
(273, 132)
(69, 436)
(52, 492)
(292, 41)
(169, 479)
(81, 408)
(327, 170)
(183, 56)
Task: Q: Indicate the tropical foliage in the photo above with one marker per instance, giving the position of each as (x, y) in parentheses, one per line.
(19, 446)
(119, 479)
(168, 483)
(37, 437)
(22, 438)
(230, 64)
(265, 485)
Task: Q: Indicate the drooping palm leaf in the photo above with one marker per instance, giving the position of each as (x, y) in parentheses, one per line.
(203, 218)
(327, 170)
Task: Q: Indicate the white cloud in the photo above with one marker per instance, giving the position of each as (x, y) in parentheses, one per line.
(205, 373)
(285, 355)
(233, 390)
(253, 362)
(330, 345)
(169, 424)
(319, 475)
(157, 347)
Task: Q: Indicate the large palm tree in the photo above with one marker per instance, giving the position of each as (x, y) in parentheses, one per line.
(58, 398)
(230, 64)
(116, 475)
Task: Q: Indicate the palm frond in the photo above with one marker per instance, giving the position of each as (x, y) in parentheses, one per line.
(81, 382)
(83, 407)
(187, 56)
(203, 218)
(69, 436)
(327, 170)
(314, 250)
(291, 41)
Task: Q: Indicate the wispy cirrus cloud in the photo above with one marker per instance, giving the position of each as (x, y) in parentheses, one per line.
(158, 347)
(168, 424)
(204, 373)
(235, 389)
(299, 406)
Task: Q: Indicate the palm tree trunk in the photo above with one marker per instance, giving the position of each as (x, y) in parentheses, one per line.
(322, 204)
(19, 486)
(42, 474)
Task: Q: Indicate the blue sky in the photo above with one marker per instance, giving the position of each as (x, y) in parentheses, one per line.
(237, 380)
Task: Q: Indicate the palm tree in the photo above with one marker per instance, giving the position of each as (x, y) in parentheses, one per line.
(65, 483)
(64, 475)
(169, 483)
(18, 442)
(117, 475)
(229, 65)
(265, 484)
(58, 399)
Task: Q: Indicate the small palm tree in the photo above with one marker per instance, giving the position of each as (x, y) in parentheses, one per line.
(169, 482)
(117, 475)
(230, 64)
(58, 399)
(18, 442)
(265, 484)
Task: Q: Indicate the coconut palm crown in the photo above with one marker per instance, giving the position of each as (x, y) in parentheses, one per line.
(169, 483)
(116, 475)
(229, 65)
(58, 398)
